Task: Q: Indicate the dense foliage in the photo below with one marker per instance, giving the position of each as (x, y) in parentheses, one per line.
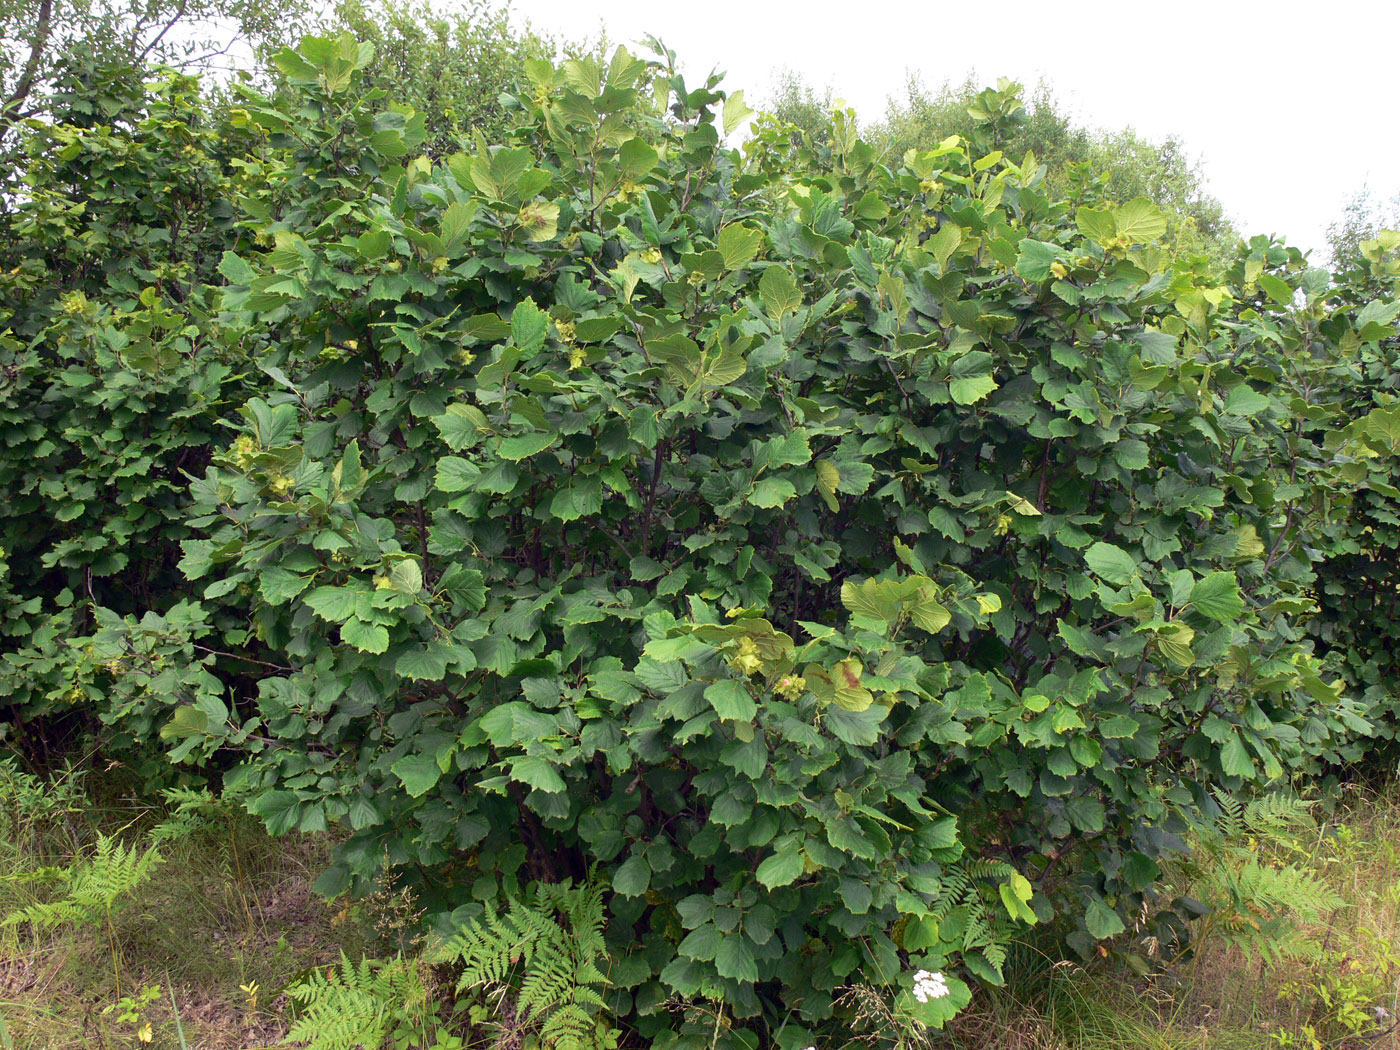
(848, 561)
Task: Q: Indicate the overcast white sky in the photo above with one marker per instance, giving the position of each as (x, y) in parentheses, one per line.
(1291, 107)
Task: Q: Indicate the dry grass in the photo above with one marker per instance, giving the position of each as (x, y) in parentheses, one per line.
(1224, 1000)
(229, 907)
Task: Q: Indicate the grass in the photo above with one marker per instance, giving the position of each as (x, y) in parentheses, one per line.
(228, 908)
(228, 919)
(1344, 994)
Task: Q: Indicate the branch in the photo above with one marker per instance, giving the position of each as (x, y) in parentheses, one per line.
(25, 84)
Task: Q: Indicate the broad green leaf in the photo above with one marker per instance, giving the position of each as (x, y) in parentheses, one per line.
(780, 869)
(427, 664)
(1234, 758)
(1035, 258)
(734, 959)
(779, 292)
(1246, 401)
(1098, 224)
(735, 112)
(524, 446)
(367, 637)
(636, 158)
(971, 389)
(455, 474)
(1111, 564)
(731, 700)
(336, 604)
(528, 327)
(1140, 221)
(1103, 922)
(738, 245)
(1218, 597)
(632, 877)
(771, 492)
(944, 243)
(417, 773)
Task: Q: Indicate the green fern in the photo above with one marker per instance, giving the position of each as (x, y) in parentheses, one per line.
(1258, 901)
(360, 1007)
(92, 887)
(538, 962)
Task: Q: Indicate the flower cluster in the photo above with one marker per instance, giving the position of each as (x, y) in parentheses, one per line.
(929, 986)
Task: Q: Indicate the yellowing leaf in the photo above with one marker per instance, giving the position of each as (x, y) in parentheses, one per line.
(828, 477)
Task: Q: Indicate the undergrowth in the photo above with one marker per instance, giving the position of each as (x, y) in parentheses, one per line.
(126, 924)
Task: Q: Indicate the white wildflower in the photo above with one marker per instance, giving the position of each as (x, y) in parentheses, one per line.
(929, 986)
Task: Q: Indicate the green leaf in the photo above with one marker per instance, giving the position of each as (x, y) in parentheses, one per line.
(455, 474)
(1111, 564)
(779, 292)
(738, 245)
(828, 478)
(236, 270)
(366, 637)
(735, 112)
(528, 327)
(1276, 289)
(971, 389)
(336, 604)
(636, 158)
(780, 869)
(1103, 922)
(538, 773)
(701, 943)
(771, 492)
(1140, 221)
(523, 446)
(1097, 224)
(944, 243)
(279, 586)
(1234, 758)
(1034, 259)
(731, 700)
(427, 664)
(417, 773)
(735, 959)
(1244, 400)
(1217, 596)
(632, 877)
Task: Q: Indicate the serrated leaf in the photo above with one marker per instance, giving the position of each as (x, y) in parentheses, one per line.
(738, 245)
(1097, 224)
(828, 478)
(944, 243)
(1111, 564)
(735, 112)
(632, 877)
(771, 492)
(780, 869)
(731, 700)
(1035, 258)
(735, 959)
(779, 293)
(1140, 221)
(523, 446)
(427, 664)
(366, 637)
(455, 474)
(969, 390)
(1103, 922)
(417, 773)
(1217, 596)
(528, 327)
(336, 604)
